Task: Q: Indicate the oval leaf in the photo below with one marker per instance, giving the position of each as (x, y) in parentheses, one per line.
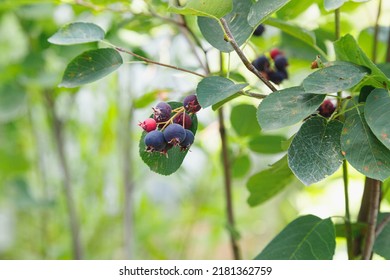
(77, 33)
(166, 164)
(261, 10)
(240, 166)
(243, 120)
(267, 144)
(238, 24)
(315, 152)
(334, 78)
(212, 90)
(91, 66)
(215, 8)
(306, 238)
(382, 242)
(287, 107)
(266, 184)
(331, 5)
(362, 149)
(377, 115)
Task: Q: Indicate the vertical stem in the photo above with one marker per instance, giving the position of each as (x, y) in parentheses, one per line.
(128, 187)
(372, 216)
(337, 23)
(376, 33)
(348, 227)
(388, 47)
(59, 139)
(228, 185)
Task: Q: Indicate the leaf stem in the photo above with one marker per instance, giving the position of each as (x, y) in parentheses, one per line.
(230, 38)
(376, 33)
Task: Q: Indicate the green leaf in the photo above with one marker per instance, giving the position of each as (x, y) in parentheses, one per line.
(267, 144)
(213, 89)
(91, 66)
(237, 22)
(298, 32)
(267, 183)
(377, 115)
(77, 33)
(306, 238)
(287, 107)
(161, 164)
(362, 149)
(261, 10)
(243, 120)
(331, 5)
(215, 8)
(240, 166)
(334, 78)
(347, 49)
(315, 152)
(382, 242)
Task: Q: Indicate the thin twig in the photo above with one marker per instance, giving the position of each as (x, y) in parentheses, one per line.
(228, 185)
(382, 225)
(158, 63)
(59, 139)
(376, 32)
(230, 38)
(348, 227)
(252, 94)
(372, 219)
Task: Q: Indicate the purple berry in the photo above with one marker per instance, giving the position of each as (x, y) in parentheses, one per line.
(155, 141)
(327, 108)
(261, 63)
(259, 30)
(186, 122)
(191, 104)
(162, 112)
(280, 62)
(174, 134)
(276, 77)
(188, 140)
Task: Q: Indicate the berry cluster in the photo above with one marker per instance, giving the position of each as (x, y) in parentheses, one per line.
(278, 72)
(169, 127)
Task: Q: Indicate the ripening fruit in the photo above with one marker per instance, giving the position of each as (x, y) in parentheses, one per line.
(280, 62)
(148, 124)
(274, 53)
(327, 108)
(191, 104)
(259, 30)
(155, 141)
(185, 122)
(188, 140)
(174, 134)
(261, 63)
(162, 112)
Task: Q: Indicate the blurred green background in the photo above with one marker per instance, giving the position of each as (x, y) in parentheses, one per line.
(86, 139)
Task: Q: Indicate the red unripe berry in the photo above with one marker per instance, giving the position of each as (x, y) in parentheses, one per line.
(274, 53)
(327, 108)
(148, 124)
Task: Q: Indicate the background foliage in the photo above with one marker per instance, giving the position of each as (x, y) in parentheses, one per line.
(86, 138)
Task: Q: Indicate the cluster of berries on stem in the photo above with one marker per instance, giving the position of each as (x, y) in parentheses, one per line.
(168, 128)
(276, 72)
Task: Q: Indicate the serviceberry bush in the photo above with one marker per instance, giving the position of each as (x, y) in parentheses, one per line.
(341, 109)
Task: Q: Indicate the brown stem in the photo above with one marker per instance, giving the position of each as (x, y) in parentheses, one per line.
(364, 242)
(58, 132)
(228, 186)
(382, 225)
(376, 33)
(248, 65)
(158, 63)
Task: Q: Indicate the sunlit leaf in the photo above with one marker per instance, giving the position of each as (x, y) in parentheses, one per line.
(91, 66)
(243, 120)
(215, 8)
(77, 33)
(267, 144)
(331, 5)
(261, 10)
(306, 238)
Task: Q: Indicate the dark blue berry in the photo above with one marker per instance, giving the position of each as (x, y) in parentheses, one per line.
(191, 104)
(188, 140)
(174, 134)
(155, 141)
(280, 62)
(276, 77)
(162, 112)
(259, 30)
(261, 63)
